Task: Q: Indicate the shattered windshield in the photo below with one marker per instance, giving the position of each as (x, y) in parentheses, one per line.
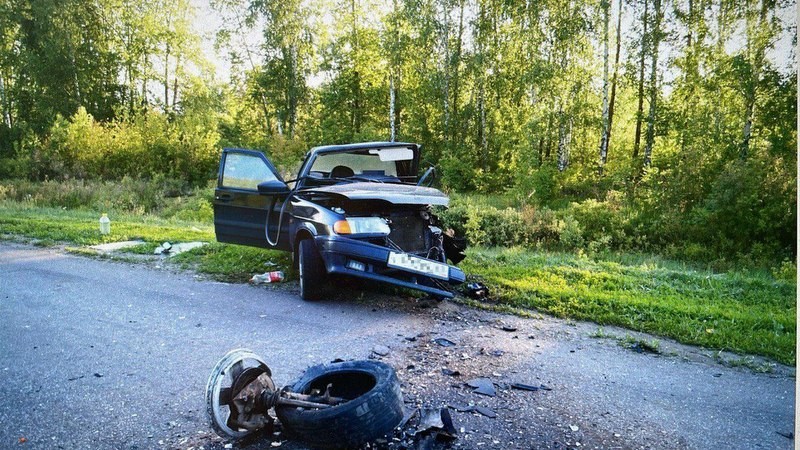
(385, 164)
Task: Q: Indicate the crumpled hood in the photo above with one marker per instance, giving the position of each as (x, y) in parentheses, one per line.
(399, 194)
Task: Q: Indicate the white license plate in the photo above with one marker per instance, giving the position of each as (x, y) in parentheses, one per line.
(420, 265)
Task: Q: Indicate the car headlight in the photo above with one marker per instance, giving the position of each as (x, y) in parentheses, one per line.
(362, 225)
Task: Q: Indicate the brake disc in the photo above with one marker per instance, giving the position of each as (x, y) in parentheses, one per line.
(233, 400)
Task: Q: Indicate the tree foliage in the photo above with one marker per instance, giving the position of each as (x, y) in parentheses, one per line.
(506, 97)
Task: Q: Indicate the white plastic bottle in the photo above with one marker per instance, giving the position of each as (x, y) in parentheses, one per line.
(105, 224)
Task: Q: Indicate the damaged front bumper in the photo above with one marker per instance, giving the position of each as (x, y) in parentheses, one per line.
(357, 258)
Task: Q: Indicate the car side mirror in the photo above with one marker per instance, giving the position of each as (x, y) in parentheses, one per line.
(273, 187)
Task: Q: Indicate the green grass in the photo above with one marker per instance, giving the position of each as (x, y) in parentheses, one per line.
(234, 263)
(747, 312)
(53, 225)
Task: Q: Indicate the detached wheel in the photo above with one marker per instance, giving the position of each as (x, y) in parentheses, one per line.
(313, 275)
(373, 409)
(238, 373)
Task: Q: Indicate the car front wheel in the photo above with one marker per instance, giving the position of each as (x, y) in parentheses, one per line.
(313, 275)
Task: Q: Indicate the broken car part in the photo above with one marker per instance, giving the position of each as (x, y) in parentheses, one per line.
(343, 404)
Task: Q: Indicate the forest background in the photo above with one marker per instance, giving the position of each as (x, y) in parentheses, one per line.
(587, 125)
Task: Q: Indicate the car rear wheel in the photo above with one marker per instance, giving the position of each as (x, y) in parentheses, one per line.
(313, 276)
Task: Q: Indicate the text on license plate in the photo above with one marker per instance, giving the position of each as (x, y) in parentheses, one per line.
(420, 265)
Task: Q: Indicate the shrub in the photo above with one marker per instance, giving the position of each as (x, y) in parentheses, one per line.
(571, 234)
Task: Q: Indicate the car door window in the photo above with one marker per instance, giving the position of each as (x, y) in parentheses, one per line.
(245, 171)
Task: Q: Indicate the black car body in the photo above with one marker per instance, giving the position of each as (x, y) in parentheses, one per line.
(356, 209)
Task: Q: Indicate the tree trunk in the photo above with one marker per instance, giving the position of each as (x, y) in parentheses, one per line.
(456, 73)
(604, 136)
(651, 118)
(294, 90)
(756, 47)
(614, 79)
(447, 75)
(166, 79)
(4, 102)
(391, 107)
(640, 107)
(564, 138)
(175, 82)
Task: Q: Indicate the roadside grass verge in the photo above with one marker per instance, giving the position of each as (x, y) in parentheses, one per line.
(234, 263)
(746, 312)
(53, 225)
(749, 311)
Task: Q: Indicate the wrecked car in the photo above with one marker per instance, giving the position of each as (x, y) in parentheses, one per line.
(359, 210)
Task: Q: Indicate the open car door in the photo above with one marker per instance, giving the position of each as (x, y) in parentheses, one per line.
(240, 211)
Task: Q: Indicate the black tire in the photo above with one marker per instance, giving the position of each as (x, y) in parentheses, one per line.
(374, 409)
(313, 276)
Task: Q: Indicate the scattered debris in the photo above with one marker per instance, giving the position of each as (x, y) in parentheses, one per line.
(574, 428)
(436, 421)
(380, 350)
(75, 378)
(509, 328)
(430, 418)
(789, 435)
(452, 373)
(462, 408)
(98, 375)
(476, 290)
(22, 440)
(444, 342)
(267, 277)
(173, 249)
(485, 412)
(163, 249)
(483, 386)
(528, 387)
(114, 246)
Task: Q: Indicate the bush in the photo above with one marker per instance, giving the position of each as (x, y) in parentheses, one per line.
(145, 146)
(172, 198)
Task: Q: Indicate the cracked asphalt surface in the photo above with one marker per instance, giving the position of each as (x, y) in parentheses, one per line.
(99, 354)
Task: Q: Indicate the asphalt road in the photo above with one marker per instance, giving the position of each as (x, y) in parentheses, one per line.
(99, 354)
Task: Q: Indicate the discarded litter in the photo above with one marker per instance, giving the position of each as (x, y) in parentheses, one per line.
(452, 373)
(485, 412)
(436, 421)
(509, 328)
(267, 277)
(444, 342)
(169, 249)
(163, 249)
(380, 350)
(524, 387)
(105, 224)
(477, 290)
(483, 386)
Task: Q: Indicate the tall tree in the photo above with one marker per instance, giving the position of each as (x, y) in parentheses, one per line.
(650, 136)
(605, 5)
(759, 33)
(640, 89)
